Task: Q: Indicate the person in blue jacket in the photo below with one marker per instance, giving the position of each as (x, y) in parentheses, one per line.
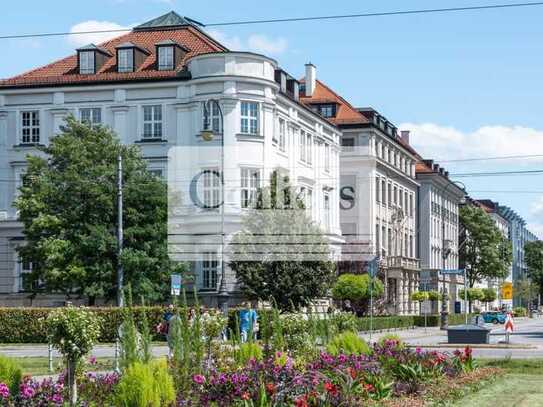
(247, 322)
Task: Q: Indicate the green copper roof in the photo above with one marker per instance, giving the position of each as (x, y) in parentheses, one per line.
(171, 19)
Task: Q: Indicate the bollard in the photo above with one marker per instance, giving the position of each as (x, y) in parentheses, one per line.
(116, 364)
(50, 356)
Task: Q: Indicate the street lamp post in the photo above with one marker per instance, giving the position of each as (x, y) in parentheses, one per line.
(445, 251)
(208, 135)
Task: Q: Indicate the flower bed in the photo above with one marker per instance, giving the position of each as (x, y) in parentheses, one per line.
(299, 361)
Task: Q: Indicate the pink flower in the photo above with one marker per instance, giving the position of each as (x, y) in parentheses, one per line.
(4, 391)
(92, 360)
(26, 391)
(199, 379)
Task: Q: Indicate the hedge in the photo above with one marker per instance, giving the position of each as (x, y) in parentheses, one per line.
(27, 325)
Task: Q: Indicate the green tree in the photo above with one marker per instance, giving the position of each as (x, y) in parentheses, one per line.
(486, 253)
(68, 206)
(533, 252)
(489, 295)
(280, 253)
(474, 294)
(356, 288)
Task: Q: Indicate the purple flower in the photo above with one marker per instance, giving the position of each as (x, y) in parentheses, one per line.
(26, 390)
(199, 379)
(4, 391)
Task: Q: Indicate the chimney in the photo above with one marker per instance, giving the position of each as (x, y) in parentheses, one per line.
(405, 136)
(310, 79)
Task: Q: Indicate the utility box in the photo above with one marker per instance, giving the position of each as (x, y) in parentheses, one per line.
(468, 334)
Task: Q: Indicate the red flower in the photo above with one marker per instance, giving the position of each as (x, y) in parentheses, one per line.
(330, 388)
(245, 396)
(270, 387)
(301, 401)
(369, 387)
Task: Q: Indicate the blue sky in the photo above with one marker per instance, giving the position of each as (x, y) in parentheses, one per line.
(466, 84)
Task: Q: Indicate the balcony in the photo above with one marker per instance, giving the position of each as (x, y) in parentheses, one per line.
(403, 263)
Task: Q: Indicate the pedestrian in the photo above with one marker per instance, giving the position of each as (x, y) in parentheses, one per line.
(347, 307)
(248, 322)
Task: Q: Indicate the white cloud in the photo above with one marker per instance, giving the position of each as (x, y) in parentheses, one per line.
(536, 209)
(96, 38)
(537, 229)
(442, 143)
(261, 43)
(255, 42)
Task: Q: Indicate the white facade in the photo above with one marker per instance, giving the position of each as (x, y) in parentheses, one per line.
(439, 200)
(271, 140)
(382, 216)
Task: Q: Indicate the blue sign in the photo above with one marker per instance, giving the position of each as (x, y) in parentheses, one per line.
(452, 271)
(373, 267)
(176, 283)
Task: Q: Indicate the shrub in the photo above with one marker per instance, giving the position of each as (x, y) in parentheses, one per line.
(10, 374)
(248, 351)
(145, 385)
(348, 343)
(419, 296)
(520, 312)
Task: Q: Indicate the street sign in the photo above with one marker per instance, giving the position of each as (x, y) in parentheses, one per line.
(507, 291)
(452, 271)
(426, 307)
(373, 267)
(176, 283)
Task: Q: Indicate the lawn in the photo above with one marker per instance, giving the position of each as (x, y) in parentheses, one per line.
(521, 386)
(39, 366)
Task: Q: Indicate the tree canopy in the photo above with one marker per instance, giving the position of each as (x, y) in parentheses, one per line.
(68, 206)
(280, 254)
(533, 252)
(486, 252)
(356, 287)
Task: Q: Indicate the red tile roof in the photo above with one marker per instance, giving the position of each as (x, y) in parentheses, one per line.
(422, 168)
(64, 71)
(345, 114)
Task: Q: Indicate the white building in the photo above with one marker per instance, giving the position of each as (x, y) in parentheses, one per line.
(378, 194)
(438, 225)
(149, 85)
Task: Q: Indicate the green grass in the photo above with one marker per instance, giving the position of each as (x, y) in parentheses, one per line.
(37, 366)
(521, 386)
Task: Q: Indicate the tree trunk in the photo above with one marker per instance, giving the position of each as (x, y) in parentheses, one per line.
(72, 384)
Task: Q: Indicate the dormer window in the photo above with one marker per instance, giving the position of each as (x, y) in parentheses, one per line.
(91, 59)
(169, 55)
(130, 57)
(165, 58)
(86, 62)
(125, 60)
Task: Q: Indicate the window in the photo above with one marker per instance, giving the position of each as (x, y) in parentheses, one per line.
(165, 58)
(214, 118)
(282, 136)
(306, 194)
(327, 110)
(125, 61)
(30, 130)
(395, 195)
(86, 62)
(377, 192)
(249, 117)
(211, 192)
(347, 144)
(407, 210)
(250, 183)
(389, 194)
(302, 145)
(383, 192)
(326, 208)
(91, 115)
(210, 264)
(152, 122)
(377, 240)
(158, 173)
(309, 145)
(327, 157)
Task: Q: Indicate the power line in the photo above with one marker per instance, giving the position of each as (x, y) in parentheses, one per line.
(497, 173)
(506, 192)
(506, 157)
(294, 19)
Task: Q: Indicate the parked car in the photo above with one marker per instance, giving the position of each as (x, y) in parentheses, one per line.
(495, 317)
